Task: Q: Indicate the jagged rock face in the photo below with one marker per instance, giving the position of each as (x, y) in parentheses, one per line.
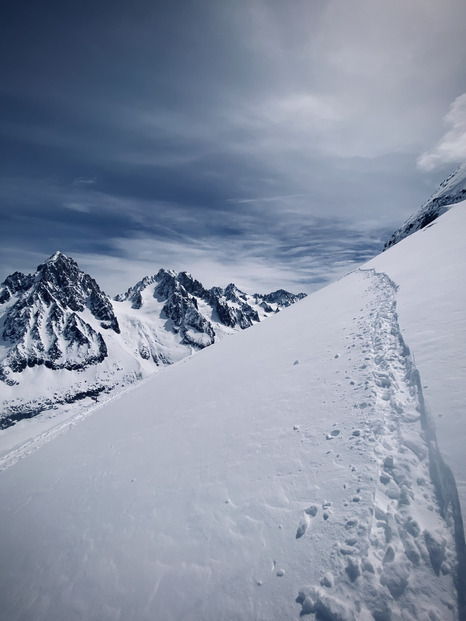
(182, 310)
(41, 325)
(60, 279)
(15, 283)
(193, 286)
(229, 307)
(281, 297)
(134, 293)
(450, 192)
(231, 316)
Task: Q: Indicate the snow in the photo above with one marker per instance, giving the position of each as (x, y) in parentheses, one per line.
(430, 272)
(284, 471)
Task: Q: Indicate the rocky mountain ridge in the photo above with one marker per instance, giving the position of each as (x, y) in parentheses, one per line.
(449, 192)
(183, 296)
(58, 324)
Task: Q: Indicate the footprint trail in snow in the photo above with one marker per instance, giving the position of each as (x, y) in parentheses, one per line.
(391, 546)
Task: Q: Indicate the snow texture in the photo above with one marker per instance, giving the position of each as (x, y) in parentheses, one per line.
(290, 470)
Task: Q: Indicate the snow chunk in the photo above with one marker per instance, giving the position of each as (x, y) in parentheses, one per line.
(314, 600)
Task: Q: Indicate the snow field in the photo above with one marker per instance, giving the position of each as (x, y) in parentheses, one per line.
(284, 471)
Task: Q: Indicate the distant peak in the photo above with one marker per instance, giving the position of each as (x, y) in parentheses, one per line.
(163, 272)
(58, 260)
(232, 288)
(56, 257)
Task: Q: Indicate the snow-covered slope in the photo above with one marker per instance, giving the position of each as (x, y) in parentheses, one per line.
(291, 469)
(449, 192)
(63, 340)
(429, 270)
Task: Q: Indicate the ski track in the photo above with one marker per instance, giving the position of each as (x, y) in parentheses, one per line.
(23, 449)
(382, 568)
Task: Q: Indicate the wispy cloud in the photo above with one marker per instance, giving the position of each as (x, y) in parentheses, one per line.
(451, 148)
(264, 199)
(303, 258)
(84, 181)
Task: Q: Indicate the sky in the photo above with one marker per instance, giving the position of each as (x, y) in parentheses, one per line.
(269, 143)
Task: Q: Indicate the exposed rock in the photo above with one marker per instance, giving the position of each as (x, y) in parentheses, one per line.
(450, 191)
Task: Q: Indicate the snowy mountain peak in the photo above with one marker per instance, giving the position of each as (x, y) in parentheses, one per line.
(58, 271)
(59, 279)
(449, 192)
(282, 297)
(199, 314)
(47, 319)
(234, 294)
(58, 256)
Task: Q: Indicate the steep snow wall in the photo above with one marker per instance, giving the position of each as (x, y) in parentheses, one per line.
(447, 492)
(441, 475)
(429, 270)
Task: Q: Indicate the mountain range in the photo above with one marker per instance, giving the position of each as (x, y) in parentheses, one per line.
(62, 339)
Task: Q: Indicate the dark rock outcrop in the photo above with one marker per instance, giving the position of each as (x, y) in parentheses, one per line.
(450, 192)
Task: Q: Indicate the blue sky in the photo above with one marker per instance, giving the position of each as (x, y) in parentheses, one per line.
(264, 142)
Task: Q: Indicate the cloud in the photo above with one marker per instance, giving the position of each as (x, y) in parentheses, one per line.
(265, 142)
(258, 255)
(264, 199)
(358, 79)
(79, 181)
(451, 148)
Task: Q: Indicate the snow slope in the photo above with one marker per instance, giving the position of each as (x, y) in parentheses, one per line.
(429, 269)
(285, 471)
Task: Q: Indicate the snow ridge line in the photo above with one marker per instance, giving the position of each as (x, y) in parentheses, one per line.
(399, 561)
